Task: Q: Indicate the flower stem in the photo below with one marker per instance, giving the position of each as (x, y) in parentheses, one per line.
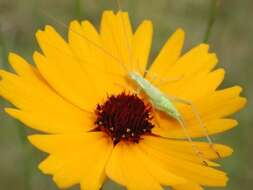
(3, 50)
(78, 8)
(27, 156)
(213, 10)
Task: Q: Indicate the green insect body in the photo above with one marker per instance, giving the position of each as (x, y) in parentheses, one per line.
(156, 97)
(162, 103)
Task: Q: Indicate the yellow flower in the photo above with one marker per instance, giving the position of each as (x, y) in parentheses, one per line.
(96, 126)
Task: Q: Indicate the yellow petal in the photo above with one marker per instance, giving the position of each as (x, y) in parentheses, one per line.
(141, 46)
(125, 168)
(156, 170)
(54, 165)
(188, 186)
(204, 83)
(21, 67)
(190, 69)
(75, 158)
(114, 167)
(62, 70)
(222, 103)
(168, 55)
(213, 127)
(116, 35)
(194, 60)
(189, 170)
(53, 122)
(86, 45)
(211, 108)
(41, 108)
(184, 149)
(168, 128)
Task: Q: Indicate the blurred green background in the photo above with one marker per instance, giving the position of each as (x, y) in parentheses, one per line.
(231, 38)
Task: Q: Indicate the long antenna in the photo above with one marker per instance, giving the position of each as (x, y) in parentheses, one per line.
(124, 30)
(85, 60)
(213, 10)
(83, 36)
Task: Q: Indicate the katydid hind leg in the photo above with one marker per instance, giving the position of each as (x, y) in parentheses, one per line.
(194, 147)
(186, 133)
(200, 121)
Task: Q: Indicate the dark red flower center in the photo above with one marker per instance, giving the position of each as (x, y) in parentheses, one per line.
(124, 117)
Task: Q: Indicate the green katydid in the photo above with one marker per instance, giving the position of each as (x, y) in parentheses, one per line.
(164, 103)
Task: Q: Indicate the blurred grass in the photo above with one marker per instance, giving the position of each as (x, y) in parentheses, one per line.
(231, 38)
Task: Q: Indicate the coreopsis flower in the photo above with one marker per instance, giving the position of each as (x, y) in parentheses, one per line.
(96, 125)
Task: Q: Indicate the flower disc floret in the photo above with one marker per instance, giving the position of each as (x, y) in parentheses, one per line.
(124, 117)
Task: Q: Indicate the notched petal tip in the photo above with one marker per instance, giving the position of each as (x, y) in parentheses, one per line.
(46, 28)
(204, 46)
(36, 54)
(87, 23)
(121, 12)
(12, 56)
(49, 28)
(38, 34)
(74, 27)
(243, 100)
(42, 32)
(107, 13)
(148, 23)
(74, 23)
(20, 65)
(38, 58)
(239, 89)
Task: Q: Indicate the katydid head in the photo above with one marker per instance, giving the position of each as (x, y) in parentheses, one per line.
(134, 75)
